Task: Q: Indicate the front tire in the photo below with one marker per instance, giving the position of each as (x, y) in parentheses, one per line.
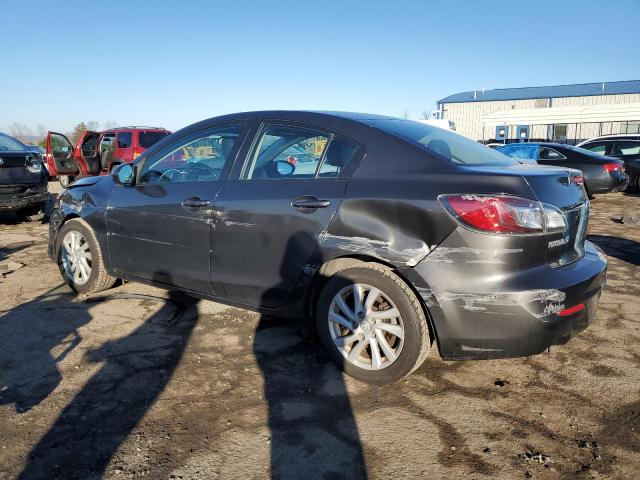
(372, 324)
(80, 258)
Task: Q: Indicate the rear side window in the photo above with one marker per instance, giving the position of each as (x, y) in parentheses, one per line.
(124, 139)
(520, 152)
(627, 147)
(445, 144)
(546, 153)
(147, 139)
(599, 148)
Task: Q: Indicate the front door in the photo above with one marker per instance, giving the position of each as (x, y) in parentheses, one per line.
(160, 228)
(270, 218)
(60, 155)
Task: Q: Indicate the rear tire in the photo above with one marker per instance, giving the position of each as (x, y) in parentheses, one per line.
(366, 342)
(65, 180)
(33, 213)
(80, 258)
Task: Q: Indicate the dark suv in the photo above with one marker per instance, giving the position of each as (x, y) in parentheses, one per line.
(23, 179)
(391, 234)
(96, 153)
(626, 147)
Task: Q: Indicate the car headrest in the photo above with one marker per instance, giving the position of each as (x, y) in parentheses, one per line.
(441, 148)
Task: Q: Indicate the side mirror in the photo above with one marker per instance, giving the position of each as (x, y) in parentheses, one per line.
(284, 168)
(123, 174)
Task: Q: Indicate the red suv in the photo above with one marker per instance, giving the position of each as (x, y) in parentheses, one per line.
(96, 153)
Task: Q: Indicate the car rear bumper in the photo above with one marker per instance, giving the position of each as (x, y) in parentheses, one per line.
(13, 197)
(517, 316)
(610, 183)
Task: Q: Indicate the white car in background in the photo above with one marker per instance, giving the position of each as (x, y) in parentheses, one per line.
(440, 123)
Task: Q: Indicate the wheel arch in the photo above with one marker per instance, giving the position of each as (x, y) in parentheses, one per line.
(335, 265)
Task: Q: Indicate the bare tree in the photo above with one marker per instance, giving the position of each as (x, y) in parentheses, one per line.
(92, 125)
(19, 131)
(426, 114)
(42, 130)
(405, 114)
(110, 124)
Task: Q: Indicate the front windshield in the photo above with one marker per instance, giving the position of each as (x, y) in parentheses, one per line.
(8, 144)
(448, 145)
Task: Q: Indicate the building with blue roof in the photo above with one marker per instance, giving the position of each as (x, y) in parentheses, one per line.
(565, 113)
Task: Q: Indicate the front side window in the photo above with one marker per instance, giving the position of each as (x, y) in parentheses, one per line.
(106, 143)
(626, 147)
(199, 159)
(285, 151)
(124, 139)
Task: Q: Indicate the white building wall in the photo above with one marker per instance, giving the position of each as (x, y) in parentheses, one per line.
(468, 116)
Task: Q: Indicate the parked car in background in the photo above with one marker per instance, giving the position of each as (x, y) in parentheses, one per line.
(601, 174)
(401, 235)
(440, 123)
(23, 179)
(42, 153)
(626, 147)
(96, 153)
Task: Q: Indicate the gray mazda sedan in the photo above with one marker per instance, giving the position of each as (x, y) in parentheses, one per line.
(391, 235)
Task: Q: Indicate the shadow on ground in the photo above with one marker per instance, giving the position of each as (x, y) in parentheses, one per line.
(618, 247)
(135, 370)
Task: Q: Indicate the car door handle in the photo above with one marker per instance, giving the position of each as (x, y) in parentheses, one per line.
(309, 202)
(195, 202)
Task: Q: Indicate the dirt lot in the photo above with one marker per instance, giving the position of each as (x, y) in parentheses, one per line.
(145, 383)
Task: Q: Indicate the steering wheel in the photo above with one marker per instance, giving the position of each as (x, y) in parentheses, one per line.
(197, 168)
(169, 174)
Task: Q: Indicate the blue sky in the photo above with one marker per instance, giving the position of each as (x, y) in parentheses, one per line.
(173, 63)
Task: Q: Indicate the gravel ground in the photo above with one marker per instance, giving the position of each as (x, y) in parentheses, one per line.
(145, 383)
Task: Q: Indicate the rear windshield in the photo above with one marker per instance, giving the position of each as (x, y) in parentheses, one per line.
(146, 139)
(445, 144)
(8, 144)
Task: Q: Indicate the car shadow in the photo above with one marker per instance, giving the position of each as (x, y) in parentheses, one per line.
(313, 431)
(618, 247)
(135, 370)
(34, 337)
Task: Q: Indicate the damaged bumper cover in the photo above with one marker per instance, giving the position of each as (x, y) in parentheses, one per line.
(13, 197)
(511, 314)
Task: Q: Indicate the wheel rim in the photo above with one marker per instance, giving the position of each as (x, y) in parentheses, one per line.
(366, 327)
(76, 257)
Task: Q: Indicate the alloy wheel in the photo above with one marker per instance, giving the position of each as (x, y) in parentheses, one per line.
(76, 257)
(366, 327)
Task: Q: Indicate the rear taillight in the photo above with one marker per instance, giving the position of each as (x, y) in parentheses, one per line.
(504, 214)
(136, 154)
(612, 167)
(578, 179)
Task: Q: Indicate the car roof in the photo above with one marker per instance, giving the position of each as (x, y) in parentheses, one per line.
(614, 136)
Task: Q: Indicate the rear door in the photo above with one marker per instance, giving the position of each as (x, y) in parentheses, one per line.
(85, 153)
(60, 155)
(160, 228)
(626, 149)
(271, 214)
